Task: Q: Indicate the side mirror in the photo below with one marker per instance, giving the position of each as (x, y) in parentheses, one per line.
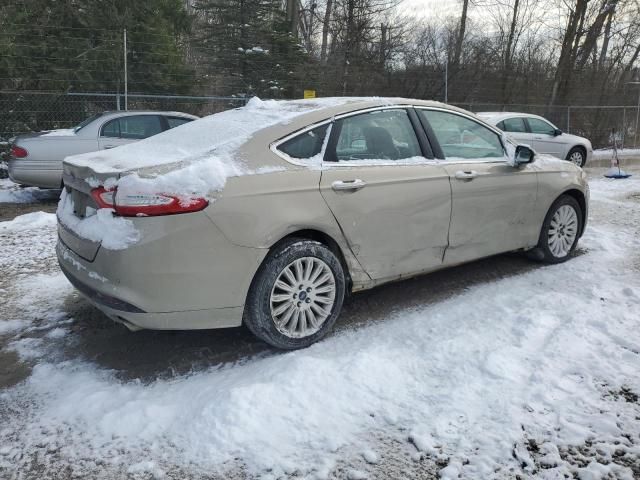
(524, 154)
(557, 132)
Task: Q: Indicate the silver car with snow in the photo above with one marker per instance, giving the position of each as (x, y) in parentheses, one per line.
(270, 214)
(36, 158)
(542, 135)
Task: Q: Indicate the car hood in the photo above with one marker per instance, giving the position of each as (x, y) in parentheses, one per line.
(573, 138)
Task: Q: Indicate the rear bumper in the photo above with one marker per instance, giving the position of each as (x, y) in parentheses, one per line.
(183, 274)
(43, 174)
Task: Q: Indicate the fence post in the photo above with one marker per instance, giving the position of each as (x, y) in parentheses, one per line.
(568, 119)
(635, 134)
(118, 101)
(624, 127)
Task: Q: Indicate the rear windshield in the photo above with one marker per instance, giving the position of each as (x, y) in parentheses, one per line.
(86, 122)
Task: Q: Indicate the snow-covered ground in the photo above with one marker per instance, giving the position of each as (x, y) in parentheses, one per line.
(12, 193)
(622, 153)
(531, 376)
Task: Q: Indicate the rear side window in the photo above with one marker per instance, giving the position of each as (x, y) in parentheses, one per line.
(514, 125)
(305, 145)
(177, 121)
(378, 135)
(461, 137)
(135, 127)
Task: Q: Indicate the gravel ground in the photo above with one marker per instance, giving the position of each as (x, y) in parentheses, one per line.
(147, 356)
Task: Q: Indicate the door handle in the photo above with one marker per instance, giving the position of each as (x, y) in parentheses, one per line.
(107, 147)
(353, 185)
(467, 175)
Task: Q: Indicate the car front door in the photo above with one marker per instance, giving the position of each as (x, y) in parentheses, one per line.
(128, 129)
(493, 203)
(392, 203)
(545, 139)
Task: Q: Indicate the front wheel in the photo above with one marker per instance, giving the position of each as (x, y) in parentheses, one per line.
(296, 296)
(560, 230)
(577, 156)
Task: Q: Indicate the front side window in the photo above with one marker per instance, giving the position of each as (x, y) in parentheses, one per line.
(461, 137)
(514, 125)
(378, 135)
(306, 145)
(540, 126)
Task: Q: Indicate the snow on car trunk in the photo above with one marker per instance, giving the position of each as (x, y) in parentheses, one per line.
(473, 381)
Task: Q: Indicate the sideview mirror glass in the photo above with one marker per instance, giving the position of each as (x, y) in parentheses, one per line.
(524, 154)
(557, 132)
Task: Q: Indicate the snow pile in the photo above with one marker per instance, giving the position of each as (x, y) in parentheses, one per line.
(13, 193)
(29, 221)
(474, 381)
(114, 233)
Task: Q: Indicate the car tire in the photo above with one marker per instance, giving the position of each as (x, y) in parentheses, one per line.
(560, 231)
(296, 295)
(577, 156)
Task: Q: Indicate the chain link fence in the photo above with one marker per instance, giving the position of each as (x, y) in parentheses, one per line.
(23, 112)
(36, 111)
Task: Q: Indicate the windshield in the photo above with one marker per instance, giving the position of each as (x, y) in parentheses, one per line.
(86, 122)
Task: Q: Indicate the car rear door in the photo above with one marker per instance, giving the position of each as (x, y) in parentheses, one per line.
(392, 203)
(493, 203)
(128, 129)
(545, 139)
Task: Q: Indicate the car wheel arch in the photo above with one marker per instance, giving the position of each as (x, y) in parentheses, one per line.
(582, 202)
(325, 239)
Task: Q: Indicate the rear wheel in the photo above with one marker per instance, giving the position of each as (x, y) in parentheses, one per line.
(560, 231)
(296, 296)
(577, 155)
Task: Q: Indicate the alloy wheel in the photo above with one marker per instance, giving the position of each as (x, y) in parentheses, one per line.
(302, 297)
(563, 231)
(577, 158)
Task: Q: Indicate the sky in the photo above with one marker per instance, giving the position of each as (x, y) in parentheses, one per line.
(431, 7)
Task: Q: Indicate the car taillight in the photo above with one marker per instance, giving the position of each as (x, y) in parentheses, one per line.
(103, 197)
(18, 152)
(146, 204)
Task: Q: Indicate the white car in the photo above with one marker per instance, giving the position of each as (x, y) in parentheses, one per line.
(542, 135)
(36, 158)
